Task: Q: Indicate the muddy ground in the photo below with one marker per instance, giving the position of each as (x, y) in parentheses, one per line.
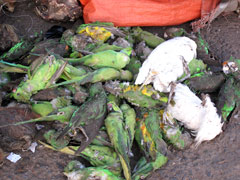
(215, 160)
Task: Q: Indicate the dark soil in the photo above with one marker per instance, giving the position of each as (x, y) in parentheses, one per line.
(216, 160)
(223, 37)
(26, 22)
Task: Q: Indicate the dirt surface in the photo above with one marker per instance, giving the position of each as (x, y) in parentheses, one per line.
(223, 37)
(25, 21)
(43, 164)
(215, 160)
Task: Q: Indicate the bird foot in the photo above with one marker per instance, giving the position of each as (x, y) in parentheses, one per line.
(57, 74)
(28, 141)
(168, 120)
(172, 89)
(186, 71)
(84, 133)
(72, 133)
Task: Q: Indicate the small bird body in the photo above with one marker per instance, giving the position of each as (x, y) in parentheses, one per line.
(198, 115)
(119, 136)
(165, 64)
(89, 117)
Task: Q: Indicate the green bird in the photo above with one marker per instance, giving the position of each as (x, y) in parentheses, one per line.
(129, 120)
(102, 156)
(150, 140)
(21, 48)
(149, 134)
(41, 78)
(119, 137)
(99, 173)
(228, 98)
(144, 168)
(89, 117)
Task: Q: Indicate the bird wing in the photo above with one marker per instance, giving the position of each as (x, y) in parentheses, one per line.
(187, 107)
(166, 62)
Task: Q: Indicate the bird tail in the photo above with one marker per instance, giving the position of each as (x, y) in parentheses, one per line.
(126, 167)
(65, 130)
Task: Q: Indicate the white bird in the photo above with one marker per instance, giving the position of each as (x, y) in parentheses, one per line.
(198, 115)
(166, 63)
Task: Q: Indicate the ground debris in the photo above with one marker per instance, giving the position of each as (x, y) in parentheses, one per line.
(16, 137)
(59, 11)
(8, 37)
(13, 157)
(100, 124)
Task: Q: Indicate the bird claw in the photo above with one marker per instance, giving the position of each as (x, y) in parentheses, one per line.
(167, 120)
(184, 78)
(204, 100)
(57, 74)
(172, 89)
(72, 134)
(84, 133)
(193, 133)
(28, 141)
(185, 69)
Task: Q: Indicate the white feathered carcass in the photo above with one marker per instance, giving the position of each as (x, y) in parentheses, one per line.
(166, 63)
(198, 115)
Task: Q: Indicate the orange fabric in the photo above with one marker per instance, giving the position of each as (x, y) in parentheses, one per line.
(145, 12)
(84, 2)
(208, 6)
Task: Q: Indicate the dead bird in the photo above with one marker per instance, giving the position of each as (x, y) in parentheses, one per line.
(142, 50)
(54, 10)
(89, 117)
(198, 115)
(22, 47)
(167, 63)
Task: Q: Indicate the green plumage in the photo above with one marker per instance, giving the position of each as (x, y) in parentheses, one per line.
(150, 39)
(99, 173)
(144, 168)
(102, 156)
(89, 116)
(99, 75)
(149, 134)
(40, 79)
(149, 138)
(108, 58)
(129, 116)
(119, 137)
(228, 97)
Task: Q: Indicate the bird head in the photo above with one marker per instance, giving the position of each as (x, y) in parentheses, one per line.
(211, 124)
(229, 67)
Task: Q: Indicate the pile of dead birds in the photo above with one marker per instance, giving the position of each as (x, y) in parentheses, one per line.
(102, 89)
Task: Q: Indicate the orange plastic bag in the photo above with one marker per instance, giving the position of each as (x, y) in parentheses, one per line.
(145, 12)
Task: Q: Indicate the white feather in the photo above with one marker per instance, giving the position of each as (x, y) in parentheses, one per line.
(164, 65)
(200, 117)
